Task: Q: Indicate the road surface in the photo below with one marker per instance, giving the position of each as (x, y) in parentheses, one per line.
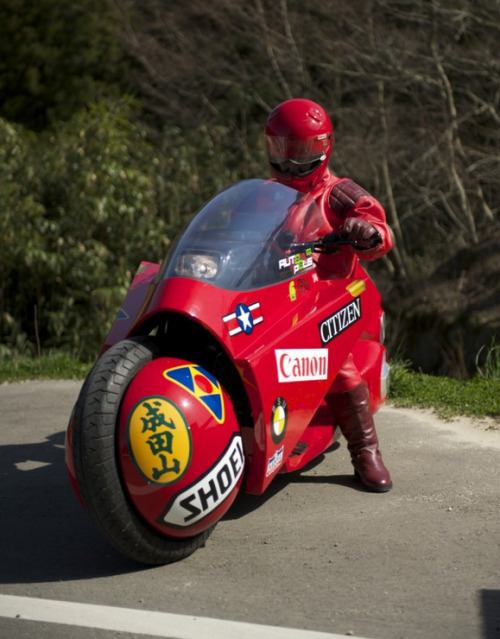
(315, 554)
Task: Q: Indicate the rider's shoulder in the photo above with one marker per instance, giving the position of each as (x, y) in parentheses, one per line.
(344, 193)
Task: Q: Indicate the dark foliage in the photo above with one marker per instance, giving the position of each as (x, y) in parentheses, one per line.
(412, 88)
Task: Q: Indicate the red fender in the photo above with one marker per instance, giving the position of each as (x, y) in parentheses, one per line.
(180, 449)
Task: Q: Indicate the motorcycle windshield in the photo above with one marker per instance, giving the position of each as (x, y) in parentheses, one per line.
(241, 239)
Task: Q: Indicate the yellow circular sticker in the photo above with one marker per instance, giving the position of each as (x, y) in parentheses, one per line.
(279, 420)
(159, 440)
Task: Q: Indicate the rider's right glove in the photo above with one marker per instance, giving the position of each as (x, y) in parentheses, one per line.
(362, 232)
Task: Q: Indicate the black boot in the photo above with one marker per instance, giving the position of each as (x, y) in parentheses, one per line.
(351, 411)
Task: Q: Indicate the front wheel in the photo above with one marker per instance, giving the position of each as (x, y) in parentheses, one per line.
(112, 479)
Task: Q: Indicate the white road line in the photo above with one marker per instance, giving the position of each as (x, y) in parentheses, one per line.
(156, 624)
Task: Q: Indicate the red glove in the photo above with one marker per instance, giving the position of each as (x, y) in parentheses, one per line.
(362, 232)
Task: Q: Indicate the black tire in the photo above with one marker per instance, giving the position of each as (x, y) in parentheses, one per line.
(96, 465)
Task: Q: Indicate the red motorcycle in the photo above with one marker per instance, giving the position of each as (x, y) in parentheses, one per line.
(213, 374)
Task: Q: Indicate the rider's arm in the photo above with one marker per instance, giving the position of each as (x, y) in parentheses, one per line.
(350, 202)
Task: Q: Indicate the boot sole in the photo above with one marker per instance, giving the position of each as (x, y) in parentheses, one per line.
(371, 487)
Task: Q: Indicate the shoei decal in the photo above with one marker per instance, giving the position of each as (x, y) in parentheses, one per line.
(301, 364)
(337, 323)
(208, 492)
(274, 462)
(279, 420)
(356, 288)
(159, 440)
(243, 319)
(202, 385)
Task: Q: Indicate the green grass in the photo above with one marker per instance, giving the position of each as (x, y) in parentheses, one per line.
(476, 398)
(56, 365)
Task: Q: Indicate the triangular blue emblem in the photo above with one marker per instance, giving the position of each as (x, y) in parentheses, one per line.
(183, 377)
(214, 404)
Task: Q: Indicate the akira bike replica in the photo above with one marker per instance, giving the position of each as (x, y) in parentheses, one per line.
(213, 374)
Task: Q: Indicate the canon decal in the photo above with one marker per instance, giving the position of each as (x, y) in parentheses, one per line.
(301, 364)
(337, 323)
(201, 498)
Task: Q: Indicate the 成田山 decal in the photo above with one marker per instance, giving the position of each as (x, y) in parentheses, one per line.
(159, 440)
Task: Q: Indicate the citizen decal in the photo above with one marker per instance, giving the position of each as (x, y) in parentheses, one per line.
(337, 323)
(301, 364)
(209, 492)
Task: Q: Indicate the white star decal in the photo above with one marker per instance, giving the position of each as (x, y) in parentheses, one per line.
(244, 319)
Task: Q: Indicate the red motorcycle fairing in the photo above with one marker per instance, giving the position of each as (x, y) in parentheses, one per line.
(180, 450)
(132, 306)
(307, 320)
(287, 341)
(305, 344)
(238, 294)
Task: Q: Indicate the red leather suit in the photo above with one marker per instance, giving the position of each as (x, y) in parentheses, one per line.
(340, 198)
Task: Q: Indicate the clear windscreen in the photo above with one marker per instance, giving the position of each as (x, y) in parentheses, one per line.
(241, 239)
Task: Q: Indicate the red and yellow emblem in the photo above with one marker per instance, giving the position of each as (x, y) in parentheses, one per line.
(202, 385)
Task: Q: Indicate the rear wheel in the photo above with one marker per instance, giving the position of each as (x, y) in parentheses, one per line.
(96, 466)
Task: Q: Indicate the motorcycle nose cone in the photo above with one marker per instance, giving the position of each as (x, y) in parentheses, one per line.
(180, 449)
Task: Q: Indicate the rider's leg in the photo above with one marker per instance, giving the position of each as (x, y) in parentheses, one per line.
(350, 406)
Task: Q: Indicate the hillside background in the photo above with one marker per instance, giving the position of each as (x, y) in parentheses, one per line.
(119, 118)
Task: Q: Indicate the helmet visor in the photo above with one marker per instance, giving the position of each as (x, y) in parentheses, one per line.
(297, 157)
(304, 151)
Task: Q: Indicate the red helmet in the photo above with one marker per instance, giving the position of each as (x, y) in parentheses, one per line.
(299, 137)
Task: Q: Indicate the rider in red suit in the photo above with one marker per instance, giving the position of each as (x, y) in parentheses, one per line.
(299, 138)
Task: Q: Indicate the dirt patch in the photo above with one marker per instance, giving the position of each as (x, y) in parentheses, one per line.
(478, 431)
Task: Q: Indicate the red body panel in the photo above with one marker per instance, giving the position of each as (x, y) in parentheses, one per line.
(133, 304)
(283, 332)
(286, 320)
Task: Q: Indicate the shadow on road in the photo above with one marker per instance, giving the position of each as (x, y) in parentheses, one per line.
(45, 534)
(245, 504)
(490, 613)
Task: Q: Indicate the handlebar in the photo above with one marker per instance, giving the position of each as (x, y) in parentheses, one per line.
(329, 243)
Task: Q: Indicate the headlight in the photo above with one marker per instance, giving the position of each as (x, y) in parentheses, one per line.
(200, 266)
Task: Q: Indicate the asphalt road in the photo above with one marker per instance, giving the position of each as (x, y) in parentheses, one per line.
(315, 553)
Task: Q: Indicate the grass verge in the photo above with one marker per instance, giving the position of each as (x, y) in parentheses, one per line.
(56, 365)
(477, 398)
